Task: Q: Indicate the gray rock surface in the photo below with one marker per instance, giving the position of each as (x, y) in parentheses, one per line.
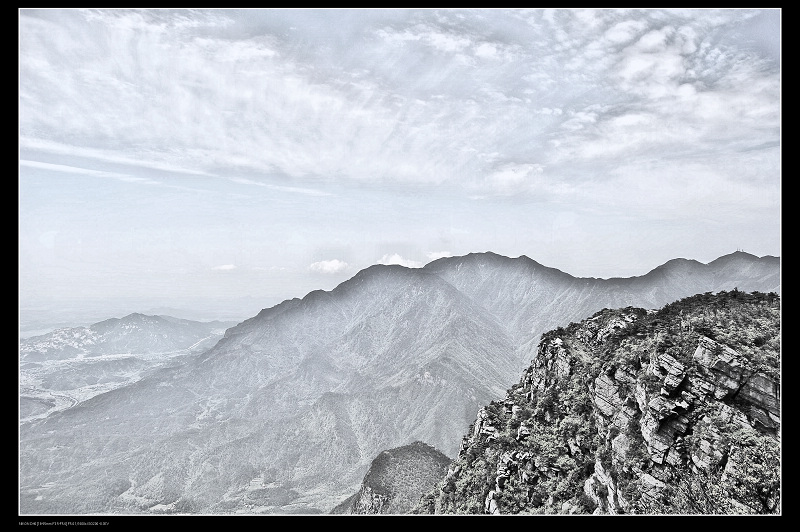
(653, 417)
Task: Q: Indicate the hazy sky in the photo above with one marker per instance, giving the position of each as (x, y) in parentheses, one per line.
(176, 155)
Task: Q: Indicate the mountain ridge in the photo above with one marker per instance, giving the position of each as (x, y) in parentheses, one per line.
(307, 392)
(134, 331)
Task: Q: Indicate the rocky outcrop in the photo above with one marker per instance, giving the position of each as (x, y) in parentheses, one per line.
(396, 480)
(634, 411)
(602, 489)
(369, 502)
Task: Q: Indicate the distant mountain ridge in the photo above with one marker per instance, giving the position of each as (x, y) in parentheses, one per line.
(309, 391)
(529, 298)
(68, 365)
(134, 333)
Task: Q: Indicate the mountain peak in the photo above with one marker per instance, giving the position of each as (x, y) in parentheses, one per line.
(469, 257)
(680, 263)
(736, 255)
(396, 480)
(482, 257)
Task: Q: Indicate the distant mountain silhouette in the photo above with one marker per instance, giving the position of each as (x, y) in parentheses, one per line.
(68, 365)
(135, 333)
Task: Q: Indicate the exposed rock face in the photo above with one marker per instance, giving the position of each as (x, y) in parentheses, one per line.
(602, 489)
(370, 502)
(675, 411)
(396, 480)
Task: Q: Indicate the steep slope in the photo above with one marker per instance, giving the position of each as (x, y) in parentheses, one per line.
(396, 480)
(630, 411)
(529, 298)
(306, 394)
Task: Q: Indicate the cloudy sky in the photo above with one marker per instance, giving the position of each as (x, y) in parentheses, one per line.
(242, 157)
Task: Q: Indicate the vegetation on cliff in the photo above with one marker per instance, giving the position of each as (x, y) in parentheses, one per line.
(396, 479)
(631, 411)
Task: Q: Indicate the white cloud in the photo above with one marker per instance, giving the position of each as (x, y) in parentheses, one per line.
(652, 74)
(102, 156)
(384, 97)
(513, 178)
(225, 267)
(394, 258)
(85, 171)
(486, 49)
(216, 102)
(397, 113)
(398, 36)
(654, 41)
(462, 47)
(579, 120)
(448, 42)
(328, 266)
(294, 190)
(548, 111)
(69, 169)
(624, 31)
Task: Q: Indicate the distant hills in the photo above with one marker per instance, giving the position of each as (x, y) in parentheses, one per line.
(135, 333)
(529, 298)
(302, 397)
(68, 365)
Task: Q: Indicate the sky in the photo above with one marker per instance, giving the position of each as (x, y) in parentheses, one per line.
(225, 160)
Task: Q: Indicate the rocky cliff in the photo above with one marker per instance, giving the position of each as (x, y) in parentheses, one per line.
(632, 411)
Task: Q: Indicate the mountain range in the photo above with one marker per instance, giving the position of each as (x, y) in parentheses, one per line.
(286, 412)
